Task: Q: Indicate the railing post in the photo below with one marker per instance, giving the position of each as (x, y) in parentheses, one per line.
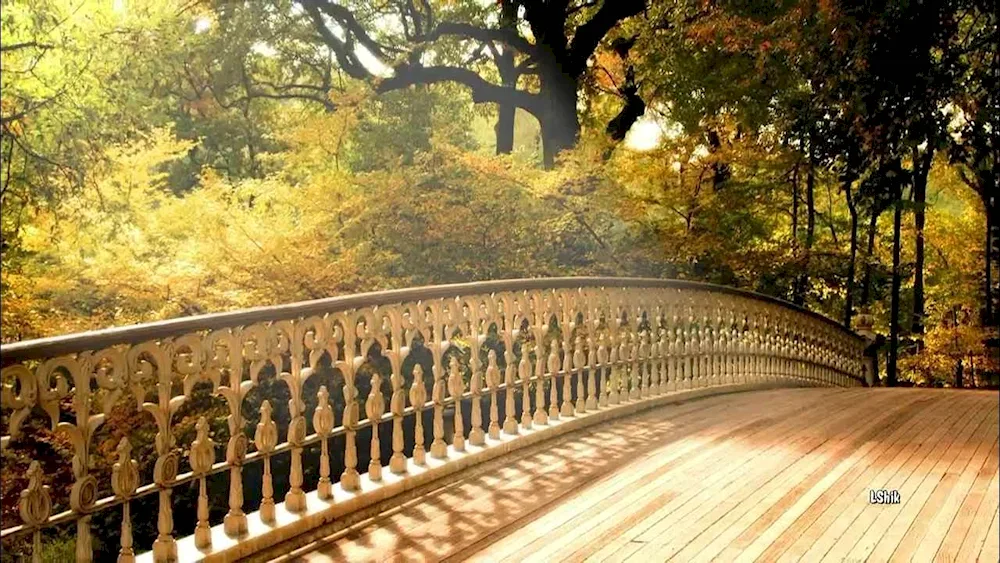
(553, 370)
(323, 423)
(35, 505)
(201, 457)
(493, 380)
(511, 330)
(579, 365)
(124, 482)
(593, 373)
(265, 438)
(457, 388)
(375, 408)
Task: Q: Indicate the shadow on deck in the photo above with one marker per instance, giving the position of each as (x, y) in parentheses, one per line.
(778, 475)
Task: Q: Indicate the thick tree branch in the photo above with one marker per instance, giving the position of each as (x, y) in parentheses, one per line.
(590, 34)
(505, 36)
(346, 58)
(345, 50)
(482, 91)
(352, 28)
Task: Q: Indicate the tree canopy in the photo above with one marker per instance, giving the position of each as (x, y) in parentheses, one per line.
(170, 158)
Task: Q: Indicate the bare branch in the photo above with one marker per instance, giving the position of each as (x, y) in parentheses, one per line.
(25, 45)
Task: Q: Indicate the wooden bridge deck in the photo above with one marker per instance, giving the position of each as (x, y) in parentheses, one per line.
(780, 475)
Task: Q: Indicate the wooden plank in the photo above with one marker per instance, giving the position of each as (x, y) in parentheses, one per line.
(757, 514)
(924, 458)
(672, 534)
(647, 475)
(882, 455)
(760, 476)
(991, 547)
(622, 545)
(539, 527)
(437, 514)
(620, 517)
(938, 510)
(796, 510)
(977, 533)
(953, 520)
(798, 538)
(879, 528)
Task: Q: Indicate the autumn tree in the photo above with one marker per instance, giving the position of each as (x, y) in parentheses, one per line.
(975, 146)
(551, 43)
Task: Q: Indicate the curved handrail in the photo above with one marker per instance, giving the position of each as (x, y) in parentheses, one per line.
(134, 334)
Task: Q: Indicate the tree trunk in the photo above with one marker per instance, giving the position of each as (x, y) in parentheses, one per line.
(852, 264)
(720, 170)
(992, 239)
(508, 78)
(803, 282)
(866, 284)
(506, 110)
(921, 169)
(560, 123)
(795, 211)
(505, 129)
(891, 373)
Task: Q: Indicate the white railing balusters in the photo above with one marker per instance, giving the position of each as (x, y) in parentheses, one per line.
(579, 365)
(592, 375)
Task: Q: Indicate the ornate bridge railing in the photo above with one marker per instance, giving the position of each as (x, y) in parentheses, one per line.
(240, 430)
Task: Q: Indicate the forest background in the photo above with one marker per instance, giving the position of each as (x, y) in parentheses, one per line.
(178, 157)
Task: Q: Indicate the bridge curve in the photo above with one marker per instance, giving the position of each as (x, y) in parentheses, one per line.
(337, 405)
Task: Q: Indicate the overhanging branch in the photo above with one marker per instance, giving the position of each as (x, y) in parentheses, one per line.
(482, 91)
(506, 36)
(346, 57)
(352, 28)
